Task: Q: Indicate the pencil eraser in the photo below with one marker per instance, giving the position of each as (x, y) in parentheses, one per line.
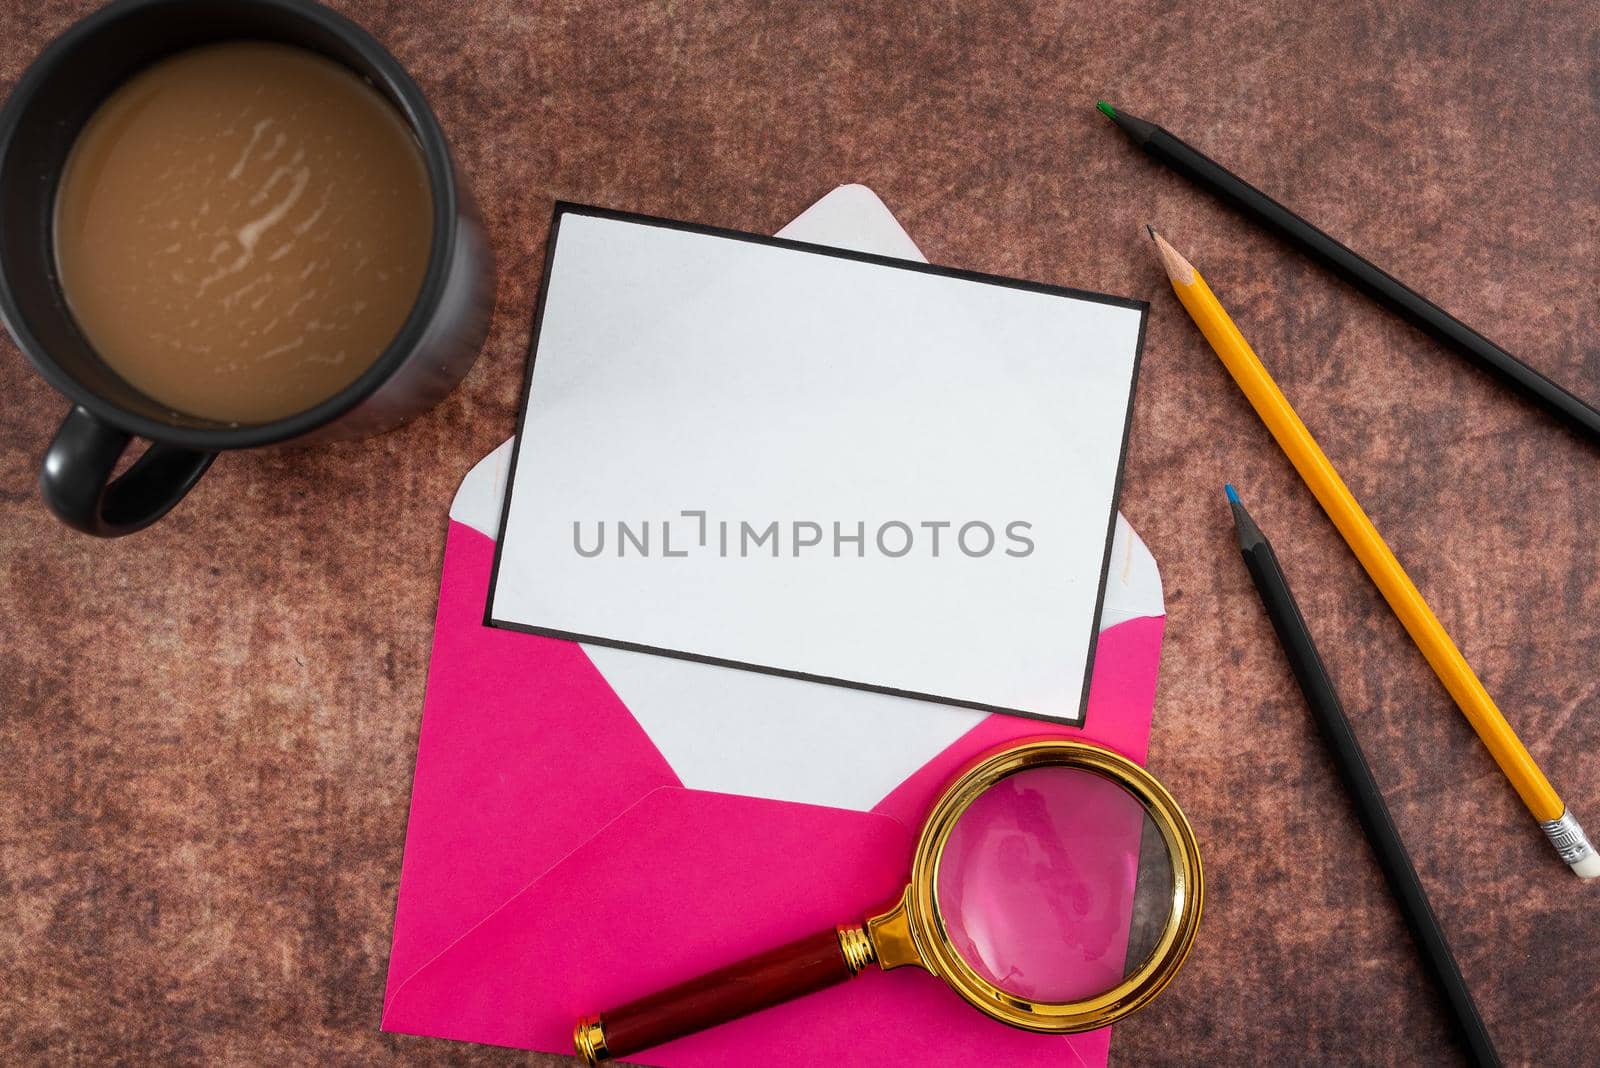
(1566, 834)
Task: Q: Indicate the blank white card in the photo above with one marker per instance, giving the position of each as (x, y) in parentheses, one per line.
(817, 463)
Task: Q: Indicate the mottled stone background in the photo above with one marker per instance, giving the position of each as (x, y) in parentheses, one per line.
(207, 730)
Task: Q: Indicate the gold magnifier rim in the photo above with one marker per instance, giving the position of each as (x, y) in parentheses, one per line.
(1153, 973)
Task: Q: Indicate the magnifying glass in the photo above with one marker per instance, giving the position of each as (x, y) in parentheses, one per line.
(1056, 886)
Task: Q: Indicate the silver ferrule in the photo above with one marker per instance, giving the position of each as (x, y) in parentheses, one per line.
(1568, 838)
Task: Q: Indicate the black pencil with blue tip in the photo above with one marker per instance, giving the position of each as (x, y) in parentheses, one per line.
(1357, 777)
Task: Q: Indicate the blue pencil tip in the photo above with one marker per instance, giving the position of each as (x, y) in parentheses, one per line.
(1233, 494)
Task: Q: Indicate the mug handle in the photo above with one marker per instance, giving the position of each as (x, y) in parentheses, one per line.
(76, 481)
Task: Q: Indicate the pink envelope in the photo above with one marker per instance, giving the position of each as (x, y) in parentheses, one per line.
(557, 865)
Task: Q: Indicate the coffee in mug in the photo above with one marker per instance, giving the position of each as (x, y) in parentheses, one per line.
(241, 229)
(227, 224)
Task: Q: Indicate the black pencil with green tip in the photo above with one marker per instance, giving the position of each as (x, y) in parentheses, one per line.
(1200, 168)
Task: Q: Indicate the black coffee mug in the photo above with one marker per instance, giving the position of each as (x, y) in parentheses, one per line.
(435, 346)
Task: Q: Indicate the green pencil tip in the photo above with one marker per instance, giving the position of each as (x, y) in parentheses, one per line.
(1106, 109)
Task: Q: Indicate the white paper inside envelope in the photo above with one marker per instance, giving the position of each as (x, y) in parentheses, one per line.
(812, 463)
(788, 739)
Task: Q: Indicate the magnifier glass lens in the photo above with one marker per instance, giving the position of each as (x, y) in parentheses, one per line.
(1055, 884)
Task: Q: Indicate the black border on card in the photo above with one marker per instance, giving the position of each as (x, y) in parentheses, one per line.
(563, 207)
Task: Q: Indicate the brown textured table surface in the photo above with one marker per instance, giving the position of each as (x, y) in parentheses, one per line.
(207, 730)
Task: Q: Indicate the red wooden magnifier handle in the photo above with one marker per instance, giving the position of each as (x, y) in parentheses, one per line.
(760, 982)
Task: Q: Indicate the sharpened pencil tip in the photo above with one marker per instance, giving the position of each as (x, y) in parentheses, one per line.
(1249, 533)
(1138, 130)
(1151, 230)
(1180, 270)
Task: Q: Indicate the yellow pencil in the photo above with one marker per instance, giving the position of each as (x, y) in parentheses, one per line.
(1363, 538)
